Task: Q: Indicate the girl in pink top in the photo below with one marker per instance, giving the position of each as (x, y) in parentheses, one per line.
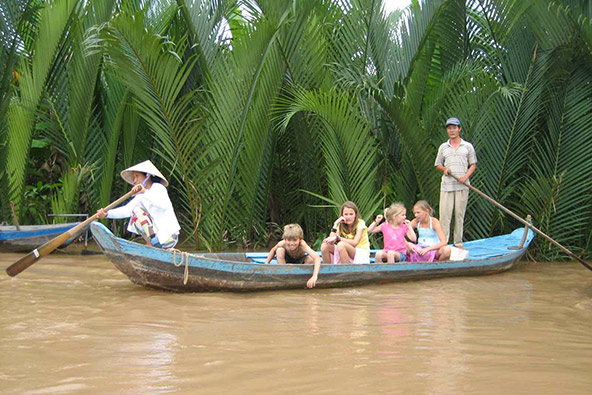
(394, 232)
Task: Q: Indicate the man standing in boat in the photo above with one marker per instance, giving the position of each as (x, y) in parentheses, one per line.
(150, 211)
(456, 156)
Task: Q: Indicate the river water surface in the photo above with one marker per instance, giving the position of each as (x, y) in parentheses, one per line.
(74, 324)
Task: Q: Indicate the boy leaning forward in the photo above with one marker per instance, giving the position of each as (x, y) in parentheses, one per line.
(456, 156)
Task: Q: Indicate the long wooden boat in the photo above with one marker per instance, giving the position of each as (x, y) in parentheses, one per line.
(201, 272)
(29, 237)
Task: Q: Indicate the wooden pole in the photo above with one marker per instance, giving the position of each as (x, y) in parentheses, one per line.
(540, 232)
(14, 217)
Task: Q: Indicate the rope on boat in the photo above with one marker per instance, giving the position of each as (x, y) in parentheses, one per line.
(185, 256)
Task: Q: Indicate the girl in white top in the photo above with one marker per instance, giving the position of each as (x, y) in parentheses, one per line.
(150, 211)
(431, 243)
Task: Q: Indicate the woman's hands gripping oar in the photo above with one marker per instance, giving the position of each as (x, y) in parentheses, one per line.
(51, 245)
(540, 232)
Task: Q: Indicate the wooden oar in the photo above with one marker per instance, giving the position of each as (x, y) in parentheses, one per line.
(540, 232)
(52, 244)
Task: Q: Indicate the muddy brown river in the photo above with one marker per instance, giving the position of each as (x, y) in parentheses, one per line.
(74, 324)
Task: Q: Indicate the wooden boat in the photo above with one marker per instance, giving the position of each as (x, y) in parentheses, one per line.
(29, 237)
(199, 272)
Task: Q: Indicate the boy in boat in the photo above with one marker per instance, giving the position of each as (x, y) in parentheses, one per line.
(293, 249)
(456, 156)
(150, 211)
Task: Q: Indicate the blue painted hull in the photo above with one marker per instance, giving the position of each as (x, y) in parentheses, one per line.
(203, 272)
(30, 237)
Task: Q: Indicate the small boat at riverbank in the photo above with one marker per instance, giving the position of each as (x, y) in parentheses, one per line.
(179, 271)
(28, 237)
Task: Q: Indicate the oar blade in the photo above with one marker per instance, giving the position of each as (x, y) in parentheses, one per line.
(36, 254)
(21, 264)
(51, 245)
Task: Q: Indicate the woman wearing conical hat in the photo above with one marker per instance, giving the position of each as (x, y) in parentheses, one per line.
(150, 211)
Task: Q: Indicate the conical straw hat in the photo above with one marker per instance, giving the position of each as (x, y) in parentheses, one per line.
(144, 167)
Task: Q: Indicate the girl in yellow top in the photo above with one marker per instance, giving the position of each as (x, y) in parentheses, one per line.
(348, 240)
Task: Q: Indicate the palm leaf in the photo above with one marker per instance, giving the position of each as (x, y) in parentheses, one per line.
(54, 18)
(205, 23)
(106, 141)
(563, 157)
(239, 133)
(72, 96)
(503, 134)
(348, 148)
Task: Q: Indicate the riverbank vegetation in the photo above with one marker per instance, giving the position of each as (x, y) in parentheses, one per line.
(274, 111)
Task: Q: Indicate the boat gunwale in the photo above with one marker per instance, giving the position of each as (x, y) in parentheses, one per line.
(28, 232)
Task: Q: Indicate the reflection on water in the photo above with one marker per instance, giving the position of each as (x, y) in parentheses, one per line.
(73, 324)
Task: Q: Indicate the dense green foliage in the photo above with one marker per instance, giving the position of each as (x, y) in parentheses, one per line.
(274, 111)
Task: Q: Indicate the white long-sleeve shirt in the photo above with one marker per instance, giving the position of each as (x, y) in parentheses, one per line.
(157, 203)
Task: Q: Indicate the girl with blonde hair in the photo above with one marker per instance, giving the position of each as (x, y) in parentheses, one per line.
(394, 231)
(431, 244)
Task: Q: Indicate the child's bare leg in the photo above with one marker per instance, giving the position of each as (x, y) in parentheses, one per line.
(308, 259)
(346, 251)
(443, 253)
(410, 247)
(326, 250)
(280, 256)
(396, 256)
(391, 256)
(379, 257)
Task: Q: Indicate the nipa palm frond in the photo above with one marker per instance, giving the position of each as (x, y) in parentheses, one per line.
(33, 74)
(348, 148)
(239, 133)
(564, 159)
